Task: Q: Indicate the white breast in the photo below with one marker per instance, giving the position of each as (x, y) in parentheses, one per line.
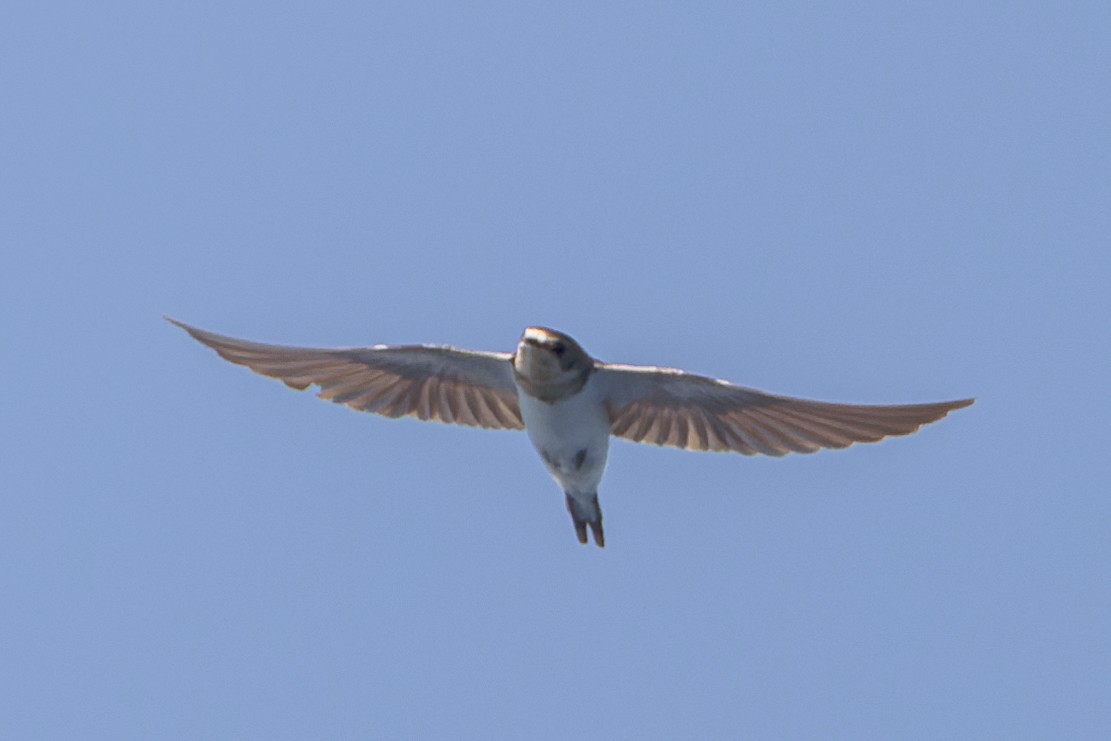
(560, 432)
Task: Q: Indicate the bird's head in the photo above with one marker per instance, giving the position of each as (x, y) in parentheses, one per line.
(545, 356)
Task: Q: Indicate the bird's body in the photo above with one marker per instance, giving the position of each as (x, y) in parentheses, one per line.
(566, 421)
(570, 404)
(571, 436)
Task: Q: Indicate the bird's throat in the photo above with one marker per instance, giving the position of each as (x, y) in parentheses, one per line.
(552, 390)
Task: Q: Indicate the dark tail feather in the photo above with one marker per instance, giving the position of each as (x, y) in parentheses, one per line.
(585, 511)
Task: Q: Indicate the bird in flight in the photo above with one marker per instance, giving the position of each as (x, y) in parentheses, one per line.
(570, 404)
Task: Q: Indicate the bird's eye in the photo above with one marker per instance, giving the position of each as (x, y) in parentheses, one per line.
(558, 348)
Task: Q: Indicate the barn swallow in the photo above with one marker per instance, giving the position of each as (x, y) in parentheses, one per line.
(570, 404)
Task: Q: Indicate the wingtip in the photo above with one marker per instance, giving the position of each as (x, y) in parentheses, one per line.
(210, 339)
(195, 332)
(176, 323)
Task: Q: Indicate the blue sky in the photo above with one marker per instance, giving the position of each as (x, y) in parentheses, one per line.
(866, 202)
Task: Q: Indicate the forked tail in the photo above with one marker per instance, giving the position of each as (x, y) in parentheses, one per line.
(585, 511)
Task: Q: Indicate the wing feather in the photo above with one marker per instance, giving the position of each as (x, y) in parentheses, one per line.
(664, 406)
(430, 382)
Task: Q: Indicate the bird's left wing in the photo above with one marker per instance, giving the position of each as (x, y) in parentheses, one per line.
(665, 406)
(442, 384)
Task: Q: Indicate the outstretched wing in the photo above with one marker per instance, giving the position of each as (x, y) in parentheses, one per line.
(664, 406)
(442, 384)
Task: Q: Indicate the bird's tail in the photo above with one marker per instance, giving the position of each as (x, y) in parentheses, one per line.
(585, 511)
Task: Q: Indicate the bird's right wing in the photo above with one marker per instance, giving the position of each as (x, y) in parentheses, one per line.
(664, 406)
(438, 383)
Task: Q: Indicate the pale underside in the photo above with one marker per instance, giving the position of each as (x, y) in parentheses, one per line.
(661, 406)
